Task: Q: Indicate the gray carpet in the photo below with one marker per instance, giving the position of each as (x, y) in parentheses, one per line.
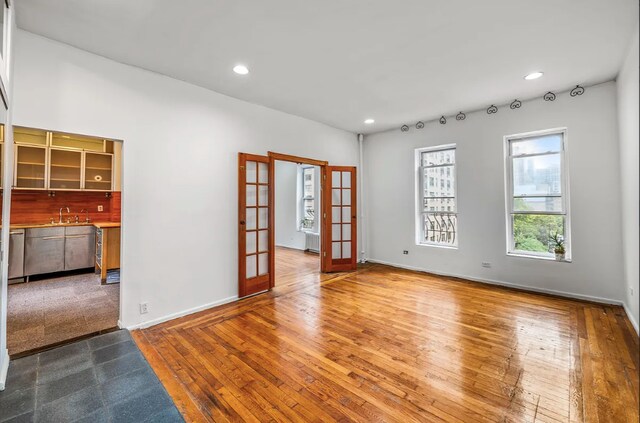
(102, 379)
(49, 311)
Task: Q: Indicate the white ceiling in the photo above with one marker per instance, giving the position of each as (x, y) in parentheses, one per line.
(341, 61)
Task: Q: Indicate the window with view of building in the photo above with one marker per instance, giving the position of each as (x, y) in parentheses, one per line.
(308, 199)
(537, 197)
(437, 211)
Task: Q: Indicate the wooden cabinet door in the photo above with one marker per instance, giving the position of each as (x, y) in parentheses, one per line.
(339, 230)
(255, 199)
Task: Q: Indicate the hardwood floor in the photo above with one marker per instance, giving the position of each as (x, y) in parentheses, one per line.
(295, 267)
(384, 344)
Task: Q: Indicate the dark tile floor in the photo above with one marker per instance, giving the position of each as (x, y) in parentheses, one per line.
(48, 311)
(102, 379)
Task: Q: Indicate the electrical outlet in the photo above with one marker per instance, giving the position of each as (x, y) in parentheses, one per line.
(486, 264)
(100, 208)
(144, 308)
(405, 252)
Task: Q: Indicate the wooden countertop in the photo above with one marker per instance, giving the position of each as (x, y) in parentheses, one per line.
(103, 225)
(57, 225)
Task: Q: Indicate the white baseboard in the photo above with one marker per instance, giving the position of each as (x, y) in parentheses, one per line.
(632, 319)
(172, 316)
(4, 371)
(503, 283)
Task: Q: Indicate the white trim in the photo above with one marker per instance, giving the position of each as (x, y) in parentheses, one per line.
(172, 316)
(503, 283)
(4, 371)
(631, 318)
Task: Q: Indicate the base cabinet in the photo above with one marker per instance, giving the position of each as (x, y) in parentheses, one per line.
(107, 251)
(49, 250)
(79, 247)
(44, 251)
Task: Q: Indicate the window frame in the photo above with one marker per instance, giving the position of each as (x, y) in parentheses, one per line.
(302, 198)
(564, 190)
(420, 240)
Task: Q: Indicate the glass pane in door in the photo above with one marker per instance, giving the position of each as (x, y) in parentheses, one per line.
(340, 207)
(256, 218)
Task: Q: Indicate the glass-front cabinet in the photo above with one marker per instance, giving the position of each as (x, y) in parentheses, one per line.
(98, 171)
(65, 169)
(47, 160)
(31, 167)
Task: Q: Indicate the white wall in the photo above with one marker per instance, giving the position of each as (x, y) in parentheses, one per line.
(593, 159)
(629, 152)
(179, 160)
(287, 203)
(7, 155)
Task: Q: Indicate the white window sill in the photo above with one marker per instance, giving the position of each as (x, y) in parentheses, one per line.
(446, 247)
(530, 256)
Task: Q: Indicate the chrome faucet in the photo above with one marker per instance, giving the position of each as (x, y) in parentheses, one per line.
(87, 220)
(68, 211)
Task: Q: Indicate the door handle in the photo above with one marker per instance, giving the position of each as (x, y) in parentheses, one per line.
(52, 237)
(242, 222)
(76, 236)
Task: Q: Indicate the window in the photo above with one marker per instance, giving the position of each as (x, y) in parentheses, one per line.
(537, 195)
(308, 199)
(437, 221)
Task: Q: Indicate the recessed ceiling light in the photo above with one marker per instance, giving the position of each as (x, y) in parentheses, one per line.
(241, 69)
(369, 121)
(533, 75)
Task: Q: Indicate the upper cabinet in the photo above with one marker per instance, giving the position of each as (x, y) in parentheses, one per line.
(78, 142)
(65, 169)
(98, 171)
(53, 161)
(31, 167)
(30, 136)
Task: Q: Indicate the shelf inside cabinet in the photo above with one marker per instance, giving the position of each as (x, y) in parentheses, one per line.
(31, 163)
(66, 166)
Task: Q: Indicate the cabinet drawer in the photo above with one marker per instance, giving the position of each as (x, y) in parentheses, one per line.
(44, 232)
(79, 230)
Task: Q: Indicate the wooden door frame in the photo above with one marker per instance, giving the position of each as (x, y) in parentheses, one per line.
(273, 157)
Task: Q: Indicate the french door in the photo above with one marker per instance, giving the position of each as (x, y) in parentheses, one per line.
(255, 224)
(339, 230)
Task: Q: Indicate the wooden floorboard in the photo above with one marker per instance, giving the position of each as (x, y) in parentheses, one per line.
(385, 344)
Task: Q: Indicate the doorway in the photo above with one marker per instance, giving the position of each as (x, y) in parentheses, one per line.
(337, 222)
(64, 242)
(297, 199)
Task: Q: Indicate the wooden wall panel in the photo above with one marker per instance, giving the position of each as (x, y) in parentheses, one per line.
(116, 209)
(38, 207)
